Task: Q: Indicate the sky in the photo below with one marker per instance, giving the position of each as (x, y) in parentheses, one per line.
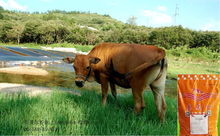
(193, 14)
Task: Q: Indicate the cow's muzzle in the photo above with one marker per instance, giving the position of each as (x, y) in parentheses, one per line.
(79, 83)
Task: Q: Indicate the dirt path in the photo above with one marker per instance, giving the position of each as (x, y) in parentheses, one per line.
(15, 88)
(29, 89)
(24, 70)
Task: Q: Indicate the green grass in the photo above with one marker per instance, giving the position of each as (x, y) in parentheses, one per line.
(84, 48)
(178, 65)
(64, 113)
(185, 60)
(85, 115)
(199, 53)
(28, 45)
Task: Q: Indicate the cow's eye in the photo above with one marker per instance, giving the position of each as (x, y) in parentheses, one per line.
(88, 67)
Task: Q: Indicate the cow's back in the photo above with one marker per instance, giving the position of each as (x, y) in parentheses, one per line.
(124, 57)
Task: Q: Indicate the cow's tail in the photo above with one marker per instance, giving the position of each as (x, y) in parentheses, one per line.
(163, 65)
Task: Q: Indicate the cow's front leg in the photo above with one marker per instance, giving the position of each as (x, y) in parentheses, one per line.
(142, 100)
(104, 85)
(113, 89)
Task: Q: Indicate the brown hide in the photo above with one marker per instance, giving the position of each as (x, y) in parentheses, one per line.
(125, 59)
(127, 65)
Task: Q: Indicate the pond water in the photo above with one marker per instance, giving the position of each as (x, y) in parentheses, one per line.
(60, 73)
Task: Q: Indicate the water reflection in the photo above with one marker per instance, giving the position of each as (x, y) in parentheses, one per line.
(65, 78)
(54, 78)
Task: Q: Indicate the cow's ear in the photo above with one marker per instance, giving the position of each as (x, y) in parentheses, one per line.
(68, 60)
(94, 60)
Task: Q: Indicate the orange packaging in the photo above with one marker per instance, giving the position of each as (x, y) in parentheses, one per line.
(198, 104)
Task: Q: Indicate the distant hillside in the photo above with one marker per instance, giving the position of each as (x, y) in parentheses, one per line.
(90, 28)
(68, 18)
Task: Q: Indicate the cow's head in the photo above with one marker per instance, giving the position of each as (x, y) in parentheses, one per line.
(83, 66)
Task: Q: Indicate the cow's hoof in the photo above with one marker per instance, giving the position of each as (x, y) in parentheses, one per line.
(137, 112)
(162, 121)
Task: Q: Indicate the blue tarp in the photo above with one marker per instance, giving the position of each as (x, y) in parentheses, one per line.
(32, 54)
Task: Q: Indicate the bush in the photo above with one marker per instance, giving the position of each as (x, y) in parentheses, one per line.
(61, 26)
(200, 52)
(169, 37)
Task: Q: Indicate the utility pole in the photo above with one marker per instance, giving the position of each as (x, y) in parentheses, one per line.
(132, 20)
(176, 14)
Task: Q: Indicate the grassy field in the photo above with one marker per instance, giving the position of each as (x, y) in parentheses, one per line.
(64, 113)
(178, 65)
(84, 48)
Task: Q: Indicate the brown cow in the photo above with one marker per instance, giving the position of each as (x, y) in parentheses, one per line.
(126, 65)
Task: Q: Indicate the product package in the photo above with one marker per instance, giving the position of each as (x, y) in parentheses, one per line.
(198, 104)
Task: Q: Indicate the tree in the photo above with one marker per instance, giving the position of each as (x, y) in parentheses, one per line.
(92, 37)
(207, 39)
(47, 33)
(61, 26)
(169, 37)
(114, 35)
(61, 33)
(4, 28)
(31, 31)
(16, 32)
(1, 10)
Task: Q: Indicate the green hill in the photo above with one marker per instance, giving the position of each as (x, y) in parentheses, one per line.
(70, 18)
(91, 28)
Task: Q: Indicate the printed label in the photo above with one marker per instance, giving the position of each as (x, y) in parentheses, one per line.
(198, 124)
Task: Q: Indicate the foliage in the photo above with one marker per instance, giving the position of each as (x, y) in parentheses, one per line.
(206, 39)
(199, 52)
(90, 28)
(170, 36)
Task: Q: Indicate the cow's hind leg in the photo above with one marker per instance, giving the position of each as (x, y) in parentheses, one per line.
(158, 88)
(113, 89)
(137, 100)
(137, 91)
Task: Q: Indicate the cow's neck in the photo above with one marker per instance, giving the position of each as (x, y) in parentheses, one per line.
(97, 76)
